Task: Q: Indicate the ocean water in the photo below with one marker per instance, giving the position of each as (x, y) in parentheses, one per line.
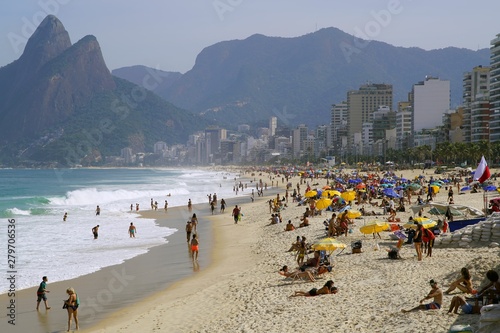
(47, 245)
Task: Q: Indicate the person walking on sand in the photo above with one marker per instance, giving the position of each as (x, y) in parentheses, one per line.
(417, 241)
(65, 217)
(194, 247)
(435, 293)
(71, 305)
(95, 231)
(98, 211)
(236, 214)
(190, 205)
(132, 230)
(166, 205)
(189, 229)
(212, 207)
(40, 293)
(222, 205)
(194, 222)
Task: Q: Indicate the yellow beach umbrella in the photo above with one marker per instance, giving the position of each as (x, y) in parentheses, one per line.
(352, 214)
(311, 194)
(323, 203)
(374, 227)
(330, 193)
(328, 244)
(435, 188)
(348, 195)
(425, 221)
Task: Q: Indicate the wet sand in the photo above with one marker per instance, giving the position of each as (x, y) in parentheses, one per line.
(105, 292)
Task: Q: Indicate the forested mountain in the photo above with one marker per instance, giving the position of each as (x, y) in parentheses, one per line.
(59, 102)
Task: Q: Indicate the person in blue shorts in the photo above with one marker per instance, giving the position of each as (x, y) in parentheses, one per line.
(435, 293)
(460, 302)
(40, 293)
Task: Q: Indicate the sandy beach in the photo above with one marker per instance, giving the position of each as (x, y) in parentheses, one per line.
(241, 290)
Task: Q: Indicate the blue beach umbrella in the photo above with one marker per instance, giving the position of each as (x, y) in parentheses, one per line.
(490, 188)
(465, 188)
(391, 193)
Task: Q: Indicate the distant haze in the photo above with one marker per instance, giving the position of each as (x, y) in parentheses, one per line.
(168, 35)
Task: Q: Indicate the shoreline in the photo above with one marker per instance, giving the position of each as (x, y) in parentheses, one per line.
(249, 296)
(114, 288)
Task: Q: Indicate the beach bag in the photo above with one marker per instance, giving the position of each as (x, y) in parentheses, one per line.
(357, 245)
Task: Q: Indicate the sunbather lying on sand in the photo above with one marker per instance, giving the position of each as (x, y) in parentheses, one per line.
(328, 288)
(306, 275)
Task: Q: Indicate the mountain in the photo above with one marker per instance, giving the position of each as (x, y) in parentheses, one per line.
(156, 80)
(59, 103)
(298, 79)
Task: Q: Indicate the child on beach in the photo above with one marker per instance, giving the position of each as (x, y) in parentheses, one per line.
(41, 293)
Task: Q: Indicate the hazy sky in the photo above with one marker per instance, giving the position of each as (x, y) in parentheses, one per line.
(168, 34)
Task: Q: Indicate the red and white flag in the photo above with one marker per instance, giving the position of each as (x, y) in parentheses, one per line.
(482, 172)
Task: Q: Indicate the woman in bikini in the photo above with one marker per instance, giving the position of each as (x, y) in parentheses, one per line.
(71, 305)
(306, 275)
(464, 283)
(417, 241)
(328, 288)
(194, 247)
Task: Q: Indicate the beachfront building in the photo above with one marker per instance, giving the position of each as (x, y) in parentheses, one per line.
(362, 103)
(230, 151)
(160, 147)
(299, 136)
(480, 119)
(403, 126)
(430, 100)
(339, 114)
(323, 136)
(475, 86)
(383, 119)
(453, 125)
(213, 137)
(127, 155)
(494, 90)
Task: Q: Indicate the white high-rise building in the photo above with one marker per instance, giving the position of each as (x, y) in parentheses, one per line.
(273, 124)
(431, 99)
(299, 136)
(339, 123)
(494, 125)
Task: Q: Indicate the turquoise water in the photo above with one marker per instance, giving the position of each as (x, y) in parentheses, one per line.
(38, 199)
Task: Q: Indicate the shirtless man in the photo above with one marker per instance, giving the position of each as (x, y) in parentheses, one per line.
(435, 293)
(132, 230)
(95, 231)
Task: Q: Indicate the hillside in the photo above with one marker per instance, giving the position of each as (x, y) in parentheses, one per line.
(298, 79)
(156, 80)
(60, 104)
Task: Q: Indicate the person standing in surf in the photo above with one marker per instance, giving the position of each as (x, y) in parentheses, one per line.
(95, 231)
